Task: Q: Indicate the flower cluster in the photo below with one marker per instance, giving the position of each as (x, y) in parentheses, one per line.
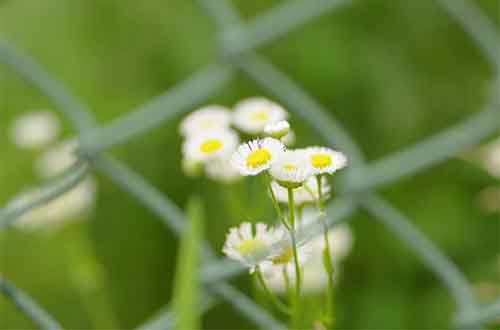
(212, 134)
(39, 131)
(294, 177)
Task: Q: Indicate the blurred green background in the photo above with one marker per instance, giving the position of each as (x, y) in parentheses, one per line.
(392, 71)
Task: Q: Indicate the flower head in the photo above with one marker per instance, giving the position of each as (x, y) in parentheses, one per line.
(278, 129)
(253, 114)
(307, 193)
(222, 170)
(34, 129)
(291, 169)
(282, 259)
(207, 119)
(324, 160)
(66, 208)
(210, 146)
(247, 247)
(256, 156)
(56, 159)
(314, 278)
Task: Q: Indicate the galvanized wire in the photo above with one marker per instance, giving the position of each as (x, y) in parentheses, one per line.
(238, 43)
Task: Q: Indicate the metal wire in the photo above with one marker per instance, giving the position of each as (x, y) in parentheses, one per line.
(238, 43)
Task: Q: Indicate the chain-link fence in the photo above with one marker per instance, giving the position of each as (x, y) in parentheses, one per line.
(238, 42)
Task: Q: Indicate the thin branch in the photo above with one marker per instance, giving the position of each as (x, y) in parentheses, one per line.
(246, 306)
(174, 102)
(28, 306)
(72, 177)
(485, 314)
(430, 255)
(428, 152)
(282, 19)
(35, 75)
(173, 218)
(478, 26)
(221, 13)
(165, 319)
(300, 103)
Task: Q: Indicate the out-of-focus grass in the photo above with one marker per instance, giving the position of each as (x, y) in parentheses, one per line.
(393, 72)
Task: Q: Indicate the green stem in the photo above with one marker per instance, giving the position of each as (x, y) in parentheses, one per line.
(272, 298)
(296, 315)
(327, 260)
(275, 203)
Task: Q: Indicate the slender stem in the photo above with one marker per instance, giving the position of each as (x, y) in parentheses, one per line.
(275, 203)
(287, 281)
(272, 298)
(327, 260)
(296, 316)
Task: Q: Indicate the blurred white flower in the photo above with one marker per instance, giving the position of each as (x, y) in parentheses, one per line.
(291, 168)
(314, 276)
(278, 129)
(324, 160)
(245, 246)
(339, 237)
(34, 129)
(490, 158)
(210, 146)
(253, 114)
(307, 193)
(211, 118)
(256, 156)
(56, 159)
(283, 260)
(222, 170)
(68, 207)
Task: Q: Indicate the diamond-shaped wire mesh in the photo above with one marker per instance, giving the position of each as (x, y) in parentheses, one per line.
(238, 42)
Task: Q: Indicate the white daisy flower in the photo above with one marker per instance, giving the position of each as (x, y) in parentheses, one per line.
(210, 146)
(278, 129)
(324, 160)
(314, 277)
(339, 237)
(222, 170)
(56, 159)
(307, 193)
(34, 129)
(256, 156)
(291, 169)
(253, 114)
(67, 207)
(283, 258)
(247, 247)
(207, 119)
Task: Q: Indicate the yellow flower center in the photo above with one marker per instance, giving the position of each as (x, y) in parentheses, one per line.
(211, 146)
(259, 116)
(289, 167)
(251, 247)
(321, 160)
(258, 158)
(284, 257)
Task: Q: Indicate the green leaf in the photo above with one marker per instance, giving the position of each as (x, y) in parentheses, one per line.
(186, 300)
